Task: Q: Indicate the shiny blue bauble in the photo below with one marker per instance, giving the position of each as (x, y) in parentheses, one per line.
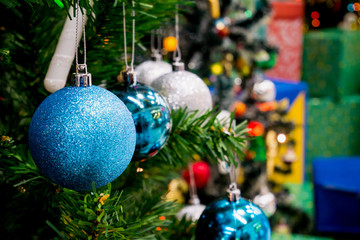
(151, 117)
(81, 135)
(226, 220)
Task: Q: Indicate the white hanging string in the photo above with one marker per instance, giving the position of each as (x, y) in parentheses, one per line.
(193, 192)
(76, 36)
(232, 173)
(177, 52)
(133, 36)
(155, 49)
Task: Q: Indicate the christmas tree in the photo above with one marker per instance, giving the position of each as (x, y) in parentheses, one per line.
(134, 205)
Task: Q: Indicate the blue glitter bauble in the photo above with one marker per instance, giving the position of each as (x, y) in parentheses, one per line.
(151, 116)
(225, 220)
(80, 135)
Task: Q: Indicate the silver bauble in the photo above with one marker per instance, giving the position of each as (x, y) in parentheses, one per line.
(183, 89)
(264, 91)
(267, 203)
(150, 70)
(191, 212)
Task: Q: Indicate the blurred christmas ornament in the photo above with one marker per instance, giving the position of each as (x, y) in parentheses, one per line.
(267, 202)
(233, 218)
(149, 70)
(61, 62)
(223, 167)
(194, 210)
(282, 227)
(169, 43)
(191, 212)
(350, 22)
(290, 155)
(176, 190)
(255, 128)
(201, 174)
(264, 91)
(240, 109)
(183, 89)
(150, 113)
(266, 106)
(82, 134)
(224, 118)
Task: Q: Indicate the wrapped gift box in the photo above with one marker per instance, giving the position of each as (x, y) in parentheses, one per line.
(285, 31)
(331, 63)
(337, 191)
(333, 128)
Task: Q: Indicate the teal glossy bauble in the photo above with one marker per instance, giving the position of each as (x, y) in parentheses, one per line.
(225, 220)
(151, 116)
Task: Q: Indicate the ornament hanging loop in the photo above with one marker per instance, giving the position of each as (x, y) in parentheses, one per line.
(177, 65)
(233, 191)
(133, 37)
(82, 78)
(155, 51)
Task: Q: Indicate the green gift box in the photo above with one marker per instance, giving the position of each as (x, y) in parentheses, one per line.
(333, 128)
(331, 63)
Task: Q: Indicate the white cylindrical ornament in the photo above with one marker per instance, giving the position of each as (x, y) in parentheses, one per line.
(60, 64)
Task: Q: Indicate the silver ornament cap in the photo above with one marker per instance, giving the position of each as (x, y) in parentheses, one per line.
(82, 78)
(178, 66)
(234, 193)
(129, 77)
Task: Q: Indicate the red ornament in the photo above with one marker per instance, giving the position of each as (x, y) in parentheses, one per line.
(224, 32)
(255, 128)
(201, 174)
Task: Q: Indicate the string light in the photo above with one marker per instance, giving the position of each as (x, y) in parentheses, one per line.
(281, 137)
(139, 169)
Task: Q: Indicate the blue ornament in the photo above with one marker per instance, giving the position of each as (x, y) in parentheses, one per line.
(80, 135)
(225, 219)
(151, 116)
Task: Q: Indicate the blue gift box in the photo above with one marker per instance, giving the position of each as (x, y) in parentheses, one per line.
(337, 194)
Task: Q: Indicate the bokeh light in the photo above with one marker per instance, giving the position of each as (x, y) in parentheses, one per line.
(350, 7)
(281, 137)
(356, 6)
(315, 23)
(315, 15)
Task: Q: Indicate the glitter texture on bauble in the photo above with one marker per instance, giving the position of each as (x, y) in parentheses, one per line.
(183, 89)
(81, 135)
